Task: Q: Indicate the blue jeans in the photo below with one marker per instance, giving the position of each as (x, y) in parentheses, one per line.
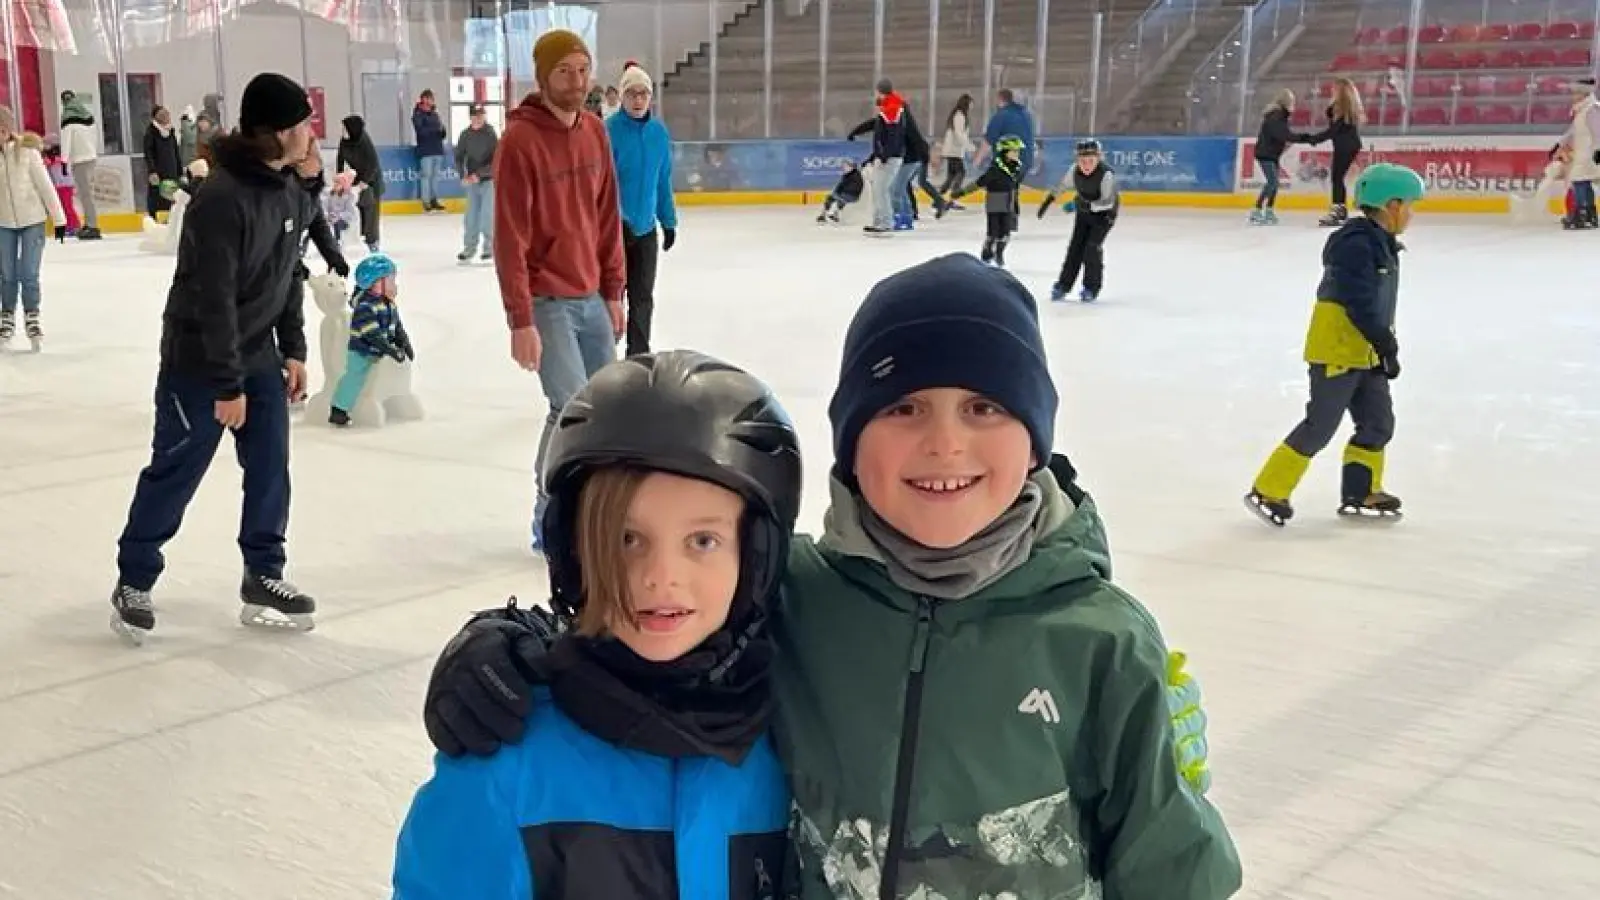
(1582, 196)
(479, 221)
(900, 188)
(431, 166)
(883, 192)
(21, 250)
(577, 341)
(185, 439)
(1269, 187)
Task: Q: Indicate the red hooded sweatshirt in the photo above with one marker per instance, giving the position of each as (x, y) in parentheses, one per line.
(557, 222)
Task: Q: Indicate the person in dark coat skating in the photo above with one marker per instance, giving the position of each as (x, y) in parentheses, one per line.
(360, 155)
(233, 351)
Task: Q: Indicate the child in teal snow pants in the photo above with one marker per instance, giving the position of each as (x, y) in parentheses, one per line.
(375, 332)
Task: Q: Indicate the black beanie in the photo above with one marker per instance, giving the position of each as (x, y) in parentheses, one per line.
(272, 102)
(951, 322)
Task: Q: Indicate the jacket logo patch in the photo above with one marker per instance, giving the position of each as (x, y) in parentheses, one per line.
(288, 226)
(1040, 703)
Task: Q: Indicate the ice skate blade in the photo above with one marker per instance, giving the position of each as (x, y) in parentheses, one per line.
(133, 637)
(268, 619)
(1363, 514)
(1263, 513)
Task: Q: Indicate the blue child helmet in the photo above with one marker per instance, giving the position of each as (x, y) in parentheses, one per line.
(372, 270)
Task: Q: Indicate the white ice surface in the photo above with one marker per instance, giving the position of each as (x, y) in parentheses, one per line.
(1398, 713)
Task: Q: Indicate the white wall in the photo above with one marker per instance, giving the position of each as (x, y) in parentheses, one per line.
(357, 77)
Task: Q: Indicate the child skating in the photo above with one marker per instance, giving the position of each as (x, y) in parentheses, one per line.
(846, 192)
(340, 205)
(66, 190)
(1353, 354)
(1095, 204)
(1000, 183)
(375, 332)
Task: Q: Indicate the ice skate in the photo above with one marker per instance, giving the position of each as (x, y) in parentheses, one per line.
(834, 217)
(89, 234)
(1378, 506)
(1058, 292)
(8, 328)
(822, 218)
(1269, 217)
(1256, 217)
(1336, 216)
(1276, 513)
(464, 256)
(877, 231)
(338, 418)
(1088, 296)
(35, 331)
(133, 616)
(274, 603)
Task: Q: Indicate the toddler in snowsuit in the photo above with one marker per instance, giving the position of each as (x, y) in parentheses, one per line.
(846, 192)
(339, 205)
(1096, 202)
(375, 332)
(61, 177)
(1000, 181)
(1352, 352)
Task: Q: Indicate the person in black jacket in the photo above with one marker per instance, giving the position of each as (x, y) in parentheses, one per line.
(1095, 203)
(233, 351)
(888, 151)
(1000, 182)
(1273, 139)
(1344, 129)
(163, 160)
(360, 155)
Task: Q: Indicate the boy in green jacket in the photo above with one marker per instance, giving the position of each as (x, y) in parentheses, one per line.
(966, 706)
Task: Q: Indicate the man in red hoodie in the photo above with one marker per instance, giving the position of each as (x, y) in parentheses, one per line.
(558, 234)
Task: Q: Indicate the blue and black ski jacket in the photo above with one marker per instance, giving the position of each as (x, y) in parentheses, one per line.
(566, 815)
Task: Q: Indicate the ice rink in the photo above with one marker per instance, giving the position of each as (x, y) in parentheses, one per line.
(1398, 711)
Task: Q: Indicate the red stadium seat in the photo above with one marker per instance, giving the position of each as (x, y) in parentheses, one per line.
(1368, 36)
(1552, 84)
(1586, 30)
(1301, 118)
(1542, 58)
(1561, 31)
(1501, 114)
(1499, 31)
(1474, 59)
(1466, 114)
(1431, 115)
(1344, 62)
(1574, 58)
(1431, 34)
(1511, 85)
(1464, 34)
(1399, 34)
(1438, 59)
(1506, 59)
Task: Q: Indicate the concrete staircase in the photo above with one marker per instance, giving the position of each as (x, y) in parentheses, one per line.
(1161, 105)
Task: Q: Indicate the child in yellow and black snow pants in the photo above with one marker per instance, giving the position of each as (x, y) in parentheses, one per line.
(1353, 354)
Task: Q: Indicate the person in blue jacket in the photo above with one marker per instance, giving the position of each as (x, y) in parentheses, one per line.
(1010, 118)
(430, 132)
(642, 150)
(646, 771)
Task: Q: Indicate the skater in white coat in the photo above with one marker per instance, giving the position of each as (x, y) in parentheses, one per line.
(1584, 140)
(27, 199)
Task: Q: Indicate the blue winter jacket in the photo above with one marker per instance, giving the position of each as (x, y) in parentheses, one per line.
(642, 149)
(565, 814)
(1014, 119)
(430, 132)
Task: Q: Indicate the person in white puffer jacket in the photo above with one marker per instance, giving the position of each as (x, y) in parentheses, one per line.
(1583, 140)
(27, 199)
(80, 147)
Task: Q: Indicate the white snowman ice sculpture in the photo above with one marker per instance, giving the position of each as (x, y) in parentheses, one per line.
(387, 396)
(163, 238)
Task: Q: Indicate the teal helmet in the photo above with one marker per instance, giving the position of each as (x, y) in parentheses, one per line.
(1381, 182)
(1008, 143)
(372, 270)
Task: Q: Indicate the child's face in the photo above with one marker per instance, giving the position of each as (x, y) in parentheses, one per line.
(681, 543)
(1398, 215)
(389, 287)
(941, 464)
(1087, 163)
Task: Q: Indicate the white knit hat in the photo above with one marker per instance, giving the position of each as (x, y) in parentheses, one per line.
(635, 77)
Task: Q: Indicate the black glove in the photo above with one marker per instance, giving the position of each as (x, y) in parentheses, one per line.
(61, 234)
(339, 267)
(1045, 206)
(669, 236)
(1390, 364)
(481, 690)
(402, 339)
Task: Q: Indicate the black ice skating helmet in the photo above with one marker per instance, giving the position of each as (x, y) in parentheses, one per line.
(689, 414)
(1089, 147)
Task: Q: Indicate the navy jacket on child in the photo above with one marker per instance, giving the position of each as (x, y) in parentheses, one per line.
(375, 329)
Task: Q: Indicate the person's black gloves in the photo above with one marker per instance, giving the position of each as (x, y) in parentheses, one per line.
(1389, 357)
(402, 339)
(481, 690)
(669, 236)
(338, 266)
(61, 234)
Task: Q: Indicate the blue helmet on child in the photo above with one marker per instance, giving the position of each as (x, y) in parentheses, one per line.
(372, 270)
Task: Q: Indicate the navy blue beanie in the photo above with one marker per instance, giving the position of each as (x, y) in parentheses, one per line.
(949, 322)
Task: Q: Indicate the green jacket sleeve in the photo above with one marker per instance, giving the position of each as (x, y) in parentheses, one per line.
(1162, 840)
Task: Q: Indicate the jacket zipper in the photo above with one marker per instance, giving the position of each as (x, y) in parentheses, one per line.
(906, 763)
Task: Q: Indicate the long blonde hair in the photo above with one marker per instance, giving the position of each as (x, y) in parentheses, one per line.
(1283, 99)
(1347, 102)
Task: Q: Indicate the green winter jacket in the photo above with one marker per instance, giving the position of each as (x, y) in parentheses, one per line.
(1013, 744)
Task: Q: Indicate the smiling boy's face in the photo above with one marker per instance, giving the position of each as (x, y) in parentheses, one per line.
(941, 464)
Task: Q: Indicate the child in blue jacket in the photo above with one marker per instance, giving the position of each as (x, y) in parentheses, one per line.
(641, 148)
(375, 332)
(646, 772)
